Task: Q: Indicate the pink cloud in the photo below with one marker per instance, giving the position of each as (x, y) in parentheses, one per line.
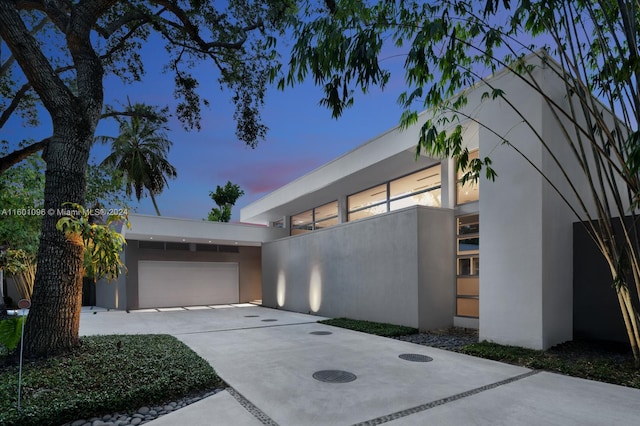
(268, 176)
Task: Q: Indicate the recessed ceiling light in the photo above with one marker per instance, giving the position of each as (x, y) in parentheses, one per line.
(151, 238)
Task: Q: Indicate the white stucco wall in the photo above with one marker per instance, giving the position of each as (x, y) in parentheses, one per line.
(369, 269)
(525, 227)
(510, 233)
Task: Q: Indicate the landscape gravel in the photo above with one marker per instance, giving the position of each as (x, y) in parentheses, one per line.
(143, 414)
(451, 339)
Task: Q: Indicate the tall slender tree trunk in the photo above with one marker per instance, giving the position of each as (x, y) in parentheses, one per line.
(153, 200)
(3, 308)
(54, 319)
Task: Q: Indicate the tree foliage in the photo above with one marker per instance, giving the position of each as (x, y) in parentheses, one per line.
(59, 56)
(140, 152)
(22, 200)
(21, 204)
(106, 187)
(225, 197)
(449, 46)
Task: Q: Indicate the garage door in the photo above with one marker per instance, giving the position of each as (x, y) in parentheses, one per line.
(167, 284)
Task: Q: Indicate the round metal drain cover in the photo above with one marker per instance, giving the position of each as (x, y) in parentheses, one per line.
(251, 316)
(321, 333)
(415, 357)
(269, 320)
(334, 376)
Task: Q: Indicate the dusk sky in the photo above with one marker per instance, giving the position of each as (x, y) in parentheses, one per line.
(302, 136)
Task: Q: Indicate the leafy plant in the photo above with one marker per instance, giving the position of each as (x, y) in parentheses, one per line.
(102, 244)
(10, 331)
(21, 265)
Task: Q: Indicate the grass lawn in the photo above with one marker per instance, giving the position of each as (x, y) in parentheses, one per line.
(105, 374)
(594, 360)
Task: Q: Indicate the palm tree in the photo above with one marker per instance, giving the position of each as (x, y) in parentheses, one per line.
(140, 152)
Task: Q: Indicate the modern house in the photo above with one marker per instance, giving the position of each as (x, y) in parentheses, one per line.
(381, 235)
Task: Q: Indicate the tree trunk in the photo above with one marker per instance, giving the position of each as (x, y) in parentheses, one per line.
(54, 319)
(3, 308)
(153, 200)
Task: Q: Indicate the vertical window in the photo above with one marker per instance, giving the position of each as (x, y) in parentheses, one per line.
(470, 190)
(468, 266)
(326, 215)
(302, 222)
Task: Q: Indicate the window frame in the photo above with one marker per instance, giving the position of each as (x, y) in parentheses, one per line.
(389, 199)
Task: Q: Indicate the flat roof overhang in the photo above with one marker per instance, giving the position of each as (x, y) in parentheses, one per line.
(160, 228)
(390, 155)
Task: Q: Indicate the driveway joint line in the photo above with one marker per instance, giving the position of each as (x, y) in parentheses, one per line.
(243, 328)
(442, 401)
(251, 408)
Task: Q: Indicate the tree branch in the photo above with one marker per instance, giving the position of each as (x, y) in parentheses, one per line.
(113, 114)
(17, 156)
(36, 29)
(17, 97)
(6, 114)
(194, 34)
(52, 91)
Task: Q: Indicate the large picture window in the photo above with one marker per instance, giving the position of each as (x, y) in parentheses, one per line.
(420, 188)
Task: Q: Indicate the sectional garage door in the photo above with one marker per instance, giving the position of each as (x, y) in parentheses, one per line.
(168, 284)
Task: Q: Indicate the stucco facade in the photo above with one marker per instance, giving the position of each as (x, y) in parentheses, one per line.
(390, 268)
(378, 234)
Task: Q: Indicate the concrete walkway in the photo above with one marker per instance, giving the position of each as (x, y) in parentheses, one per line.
(270, 367)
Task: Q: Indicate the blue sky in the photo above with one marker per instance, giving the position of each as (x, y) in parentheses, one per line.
(302, 136)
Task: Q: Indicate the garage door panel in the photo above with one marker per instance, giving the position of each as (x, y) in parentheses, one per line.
(167, 284)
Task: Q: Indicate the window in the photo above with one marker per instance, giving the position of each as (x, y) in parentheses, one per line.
(316, 218)
(470, 190)
(468, 266)
(326, 215)
(302, 222)
(420, 188)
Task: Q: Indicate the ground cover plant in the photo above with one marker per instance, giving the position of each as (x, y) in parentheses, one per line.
(105, 374)
(377, 328)
(594, 360)
(608, 362)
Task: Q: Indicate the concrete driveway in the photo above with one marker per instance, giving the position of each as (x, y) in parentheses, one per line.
(269, 358)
